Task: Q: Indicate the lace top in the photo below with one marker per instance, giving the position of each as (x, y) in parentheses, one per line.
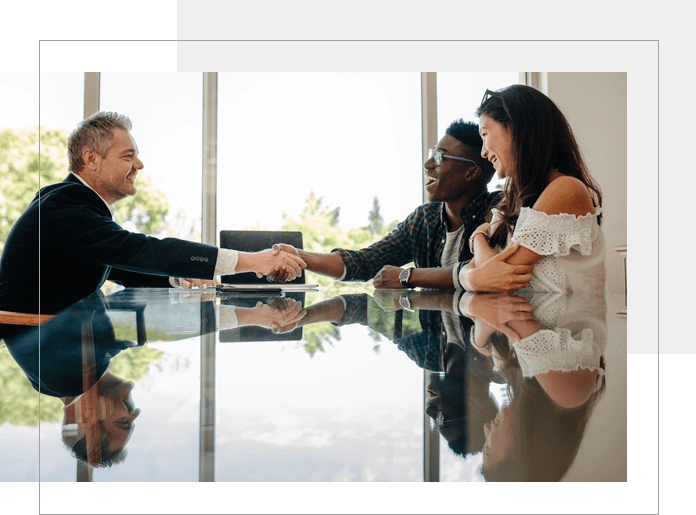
(573, 249)
(574, 336)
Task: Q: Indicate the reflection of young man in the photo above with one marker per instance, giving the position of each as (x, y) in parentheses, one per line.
(436, 235)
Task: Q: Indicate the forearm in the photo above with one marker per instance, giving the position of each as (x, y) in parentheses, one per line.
(525, 327)
(330, 264)
(248, 316)
(440, 278)
(434, 300)
(482, 250)
(482, 333)
(246, 262)
(326, 311)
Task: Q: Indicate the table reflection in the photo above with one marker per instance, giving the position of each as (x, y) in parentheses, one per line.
(549, 348)
(545, 350)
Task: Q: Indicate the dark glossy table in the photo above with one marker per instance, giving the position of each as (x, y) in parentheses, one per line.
(177, 385)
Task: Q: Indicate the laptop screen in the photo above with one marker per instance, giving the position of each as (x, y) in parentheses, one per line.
(254, 241)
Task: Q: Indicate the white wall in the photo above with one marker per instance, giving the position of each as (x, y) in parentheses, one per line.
(595, 106)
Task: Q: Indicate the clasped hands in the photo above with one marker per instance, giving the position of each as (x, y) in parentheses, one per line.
(494, 275)
(497, 312)
(274, 263)
(282, 274)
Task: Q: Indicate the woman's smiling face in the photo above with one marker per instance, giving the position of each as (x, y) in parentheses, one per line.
(499, 438)
(497, 145)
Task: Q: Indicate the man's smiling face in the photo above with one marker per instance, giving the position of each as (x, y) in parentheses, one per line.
(114, 178)
(447, 181)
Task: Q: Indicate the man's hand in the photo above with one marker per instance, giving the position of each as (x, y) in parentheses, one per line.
(388, 278)
(280, 263)
(281, 276)
(280, 314)
(289, 313)
(189, 284)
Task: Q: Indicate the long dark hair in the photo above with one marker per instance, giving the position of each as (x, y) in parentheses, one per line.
(547, 438)
(542, 140)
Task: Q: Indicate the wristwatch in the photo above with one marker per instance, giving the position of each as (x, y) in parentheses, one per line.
(404, 302)
(404, 276)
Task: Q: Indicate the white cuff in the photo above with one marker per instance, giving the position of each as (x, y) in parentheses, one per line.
(455, 277)
(464, 277)
(227, 317)
(226, 263)
(465, 303)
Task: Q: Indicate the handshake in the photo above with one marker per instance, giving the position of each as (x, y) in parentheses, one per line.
(281, 263)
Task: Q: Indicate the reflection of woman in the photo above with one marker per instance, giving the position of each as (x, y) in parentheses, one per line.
(551, 205)
(554, 366)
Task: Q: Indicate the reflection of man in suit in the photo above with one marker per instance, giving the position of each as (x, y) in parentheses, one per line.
(70, 359)
(81, 245)
(107, 409)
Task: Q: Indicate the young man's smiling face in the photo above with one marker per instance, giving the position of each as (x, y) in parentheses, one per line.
(447, 181)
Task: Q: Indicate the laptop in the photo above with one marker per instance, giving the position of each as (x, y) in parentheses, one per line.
(254, 241)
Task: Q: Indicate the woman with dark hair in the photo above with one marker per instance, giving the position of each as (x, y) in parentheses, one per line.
(549, 348)
(551, 208)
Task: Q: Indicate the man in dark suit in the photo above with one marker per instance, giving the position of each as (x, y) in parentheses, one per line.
(66, 244)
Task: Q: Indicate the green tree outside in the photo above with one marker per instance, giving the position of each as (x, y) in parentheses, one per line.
(23, 154)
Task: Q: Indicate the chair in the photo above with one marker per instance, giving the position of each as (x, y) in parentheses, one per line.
(254, 241)
(13, 324)
(13, 318)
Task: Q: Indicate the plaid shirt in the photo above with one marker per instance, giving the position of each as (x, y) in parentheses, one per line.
(419, 239)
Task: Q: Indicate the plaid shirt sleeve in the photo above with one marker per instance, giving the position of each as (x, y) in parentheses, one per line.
(397, 248)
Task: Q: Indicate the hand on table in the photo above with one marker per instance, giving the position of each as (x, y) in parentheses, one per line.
(388, 278)
(198, 283)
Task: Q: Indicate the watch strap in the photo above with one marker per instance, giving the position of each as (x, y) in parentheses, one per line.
(405, 277)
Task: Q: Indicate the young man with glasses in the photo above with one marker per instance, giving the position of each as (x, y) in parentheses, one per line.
(435, 237)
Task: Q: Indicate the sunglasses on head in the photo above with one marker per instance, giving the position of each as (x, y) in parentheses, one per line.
(488, 94)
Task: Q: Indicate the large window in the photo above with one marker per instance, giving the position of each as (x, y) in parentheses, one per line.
(165, 109)
(60, 101)
(19, 406)
(307, 148)
(338, 151)
(459, 95)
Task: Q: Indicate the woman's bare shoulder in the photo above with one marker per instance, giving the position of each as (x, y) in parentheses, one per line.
(565, 195)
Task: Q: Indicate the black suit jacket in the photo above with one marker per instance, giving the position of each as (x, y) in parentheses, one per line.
(66, 244)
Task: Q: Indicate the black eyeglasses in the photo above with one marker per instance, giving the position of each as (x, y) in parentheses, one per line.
(438, 156)
(440, 422)
(488, 94)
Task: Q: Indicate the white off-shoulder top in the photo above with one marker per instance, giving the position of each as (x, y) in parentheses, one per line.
(575, 334)
(573, 248)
